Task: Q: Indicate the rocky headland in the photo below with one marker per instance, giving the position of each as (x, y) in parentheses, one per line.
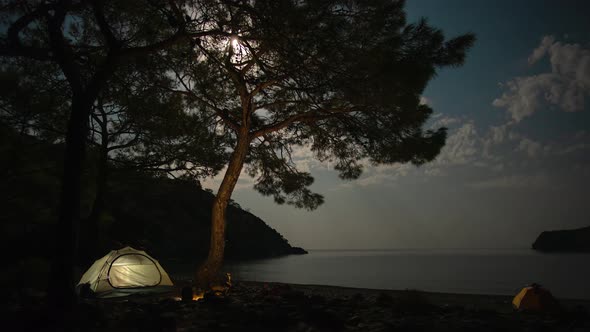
(573, 240)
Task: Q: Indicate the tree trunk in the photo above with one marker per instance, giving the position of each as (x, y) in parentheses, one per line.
(61, 284)
(210, 268)
(89, 245)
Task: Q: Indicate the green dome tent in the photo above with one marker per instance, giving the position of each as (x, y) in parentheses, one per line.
(123, 272)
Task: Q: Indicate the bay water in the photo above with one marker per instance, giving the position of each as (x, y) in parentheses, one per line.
(470, 271)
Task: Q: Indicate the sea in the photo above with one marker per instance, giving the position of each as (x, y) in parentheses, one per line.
(469, 271)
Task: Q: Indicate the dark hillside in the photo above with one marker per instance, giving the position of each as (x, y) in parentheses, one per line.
(172, 218)
(167, 217)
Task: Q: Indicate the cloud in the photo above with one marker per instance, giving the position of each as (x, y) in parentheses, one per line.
(575, 148)
(434, 172)
(576, 144)
(512, 181)
(542, 49)
(380, 174)
(444, 121)
(425, 101)
(473, 152)
(461, 146)
(565, 87)
(465, 146)
(531, 148)
(304, 158)
(527, 94)
(498, 134)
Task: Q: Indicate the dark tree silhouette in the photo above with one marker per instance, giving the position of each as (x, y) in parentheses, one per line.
(135, 124)
(342, 77)
(88, 41)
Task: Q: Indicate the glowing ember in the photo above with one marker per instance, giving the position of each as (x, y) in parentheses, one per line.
(198, 296)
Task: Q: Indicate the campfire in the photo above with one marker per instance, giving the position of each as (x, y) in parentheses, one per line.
(218, 288)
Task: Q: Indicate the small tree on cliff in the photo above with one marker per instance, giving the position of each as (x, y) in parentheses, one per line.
(342, 77)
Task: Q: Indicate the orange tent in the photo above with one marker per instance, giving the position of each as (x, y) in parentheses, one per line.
(535, 298)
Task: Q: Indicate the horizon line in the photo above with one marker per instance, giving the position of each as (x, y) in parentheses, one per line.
(422, 248)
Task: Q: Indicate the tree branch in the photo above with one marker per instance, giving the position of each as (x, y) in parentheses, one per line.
(14, 47)
(131, 142)
(105, 29)
(223, 114)
(280, 102)
(175, 38)
(307, 117)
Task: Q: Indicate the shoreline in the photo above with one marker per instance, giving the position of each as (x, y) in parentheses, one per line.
(500, 303)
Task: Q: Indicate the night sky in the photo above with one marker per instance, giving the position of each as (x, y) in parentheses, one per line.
(517, 159)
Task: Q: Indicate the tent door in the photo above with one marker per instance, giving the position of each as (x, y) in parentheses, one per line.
(132, 271)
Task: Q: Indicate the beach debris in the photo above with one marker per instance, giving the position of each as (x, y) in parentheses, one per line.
(325, 319)
(354, 321)
(412, 301)
(220, 286)
(384, 300)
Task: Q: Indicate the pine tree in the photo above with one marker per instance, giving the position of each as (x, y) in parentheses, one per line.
(341, 77)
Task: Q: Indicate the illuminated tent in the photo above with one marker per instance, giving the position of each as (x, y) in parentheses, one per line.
(122, 270)
(535, 298)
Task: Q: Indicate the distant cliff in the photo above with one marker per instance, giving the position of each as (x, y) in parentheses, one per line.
(574, 240)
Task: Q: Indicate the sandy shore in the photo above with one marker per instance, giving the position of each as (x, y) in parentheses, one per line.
(499, 303)
(261, 306)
